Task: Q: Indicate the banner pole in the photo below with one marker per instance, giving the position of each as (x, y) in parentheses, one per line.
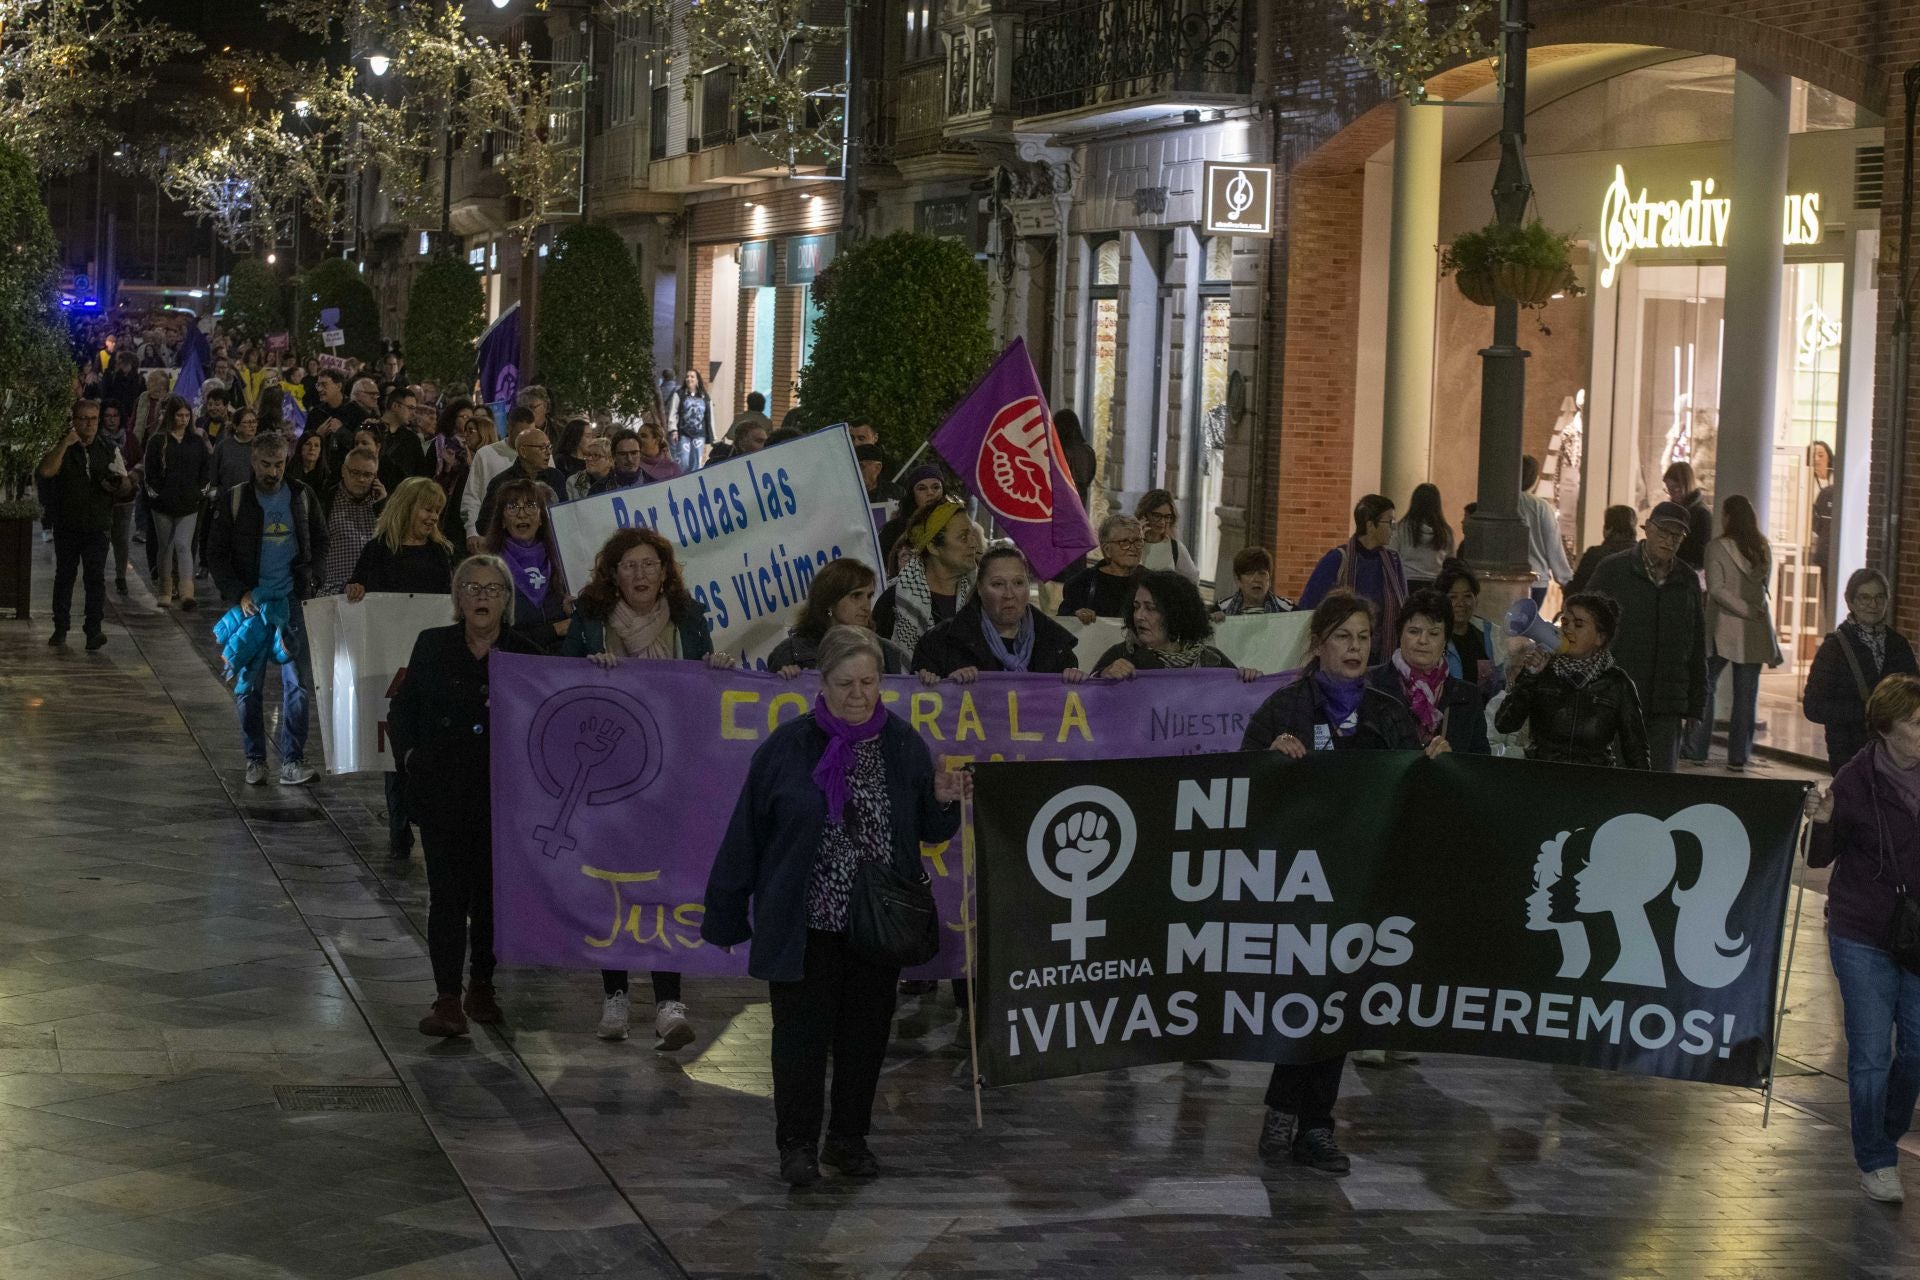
(969, 922)
(908, 464)
(1786, 978)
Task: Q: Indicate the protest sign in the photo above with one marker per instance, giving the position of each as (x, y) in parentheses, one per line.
(358, 652)
(749, 533)
(1254, 907)
(612, 789)
(1267, 642)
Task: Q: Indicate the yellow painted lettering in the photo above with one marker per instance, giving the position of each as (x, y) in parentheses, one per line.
(614, 879)
(797, 702)
(925, 714)
(969, 718)
(688, 916)
(1013, 721)
(730, 699)
(1074, 716)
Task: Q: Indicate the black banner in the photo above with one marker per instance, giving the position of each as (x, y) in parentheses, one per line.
(1273, 910)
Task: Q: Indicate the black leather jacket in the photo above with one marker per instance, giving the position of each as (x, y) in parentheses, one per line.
(1577, 725)
(1385, 723)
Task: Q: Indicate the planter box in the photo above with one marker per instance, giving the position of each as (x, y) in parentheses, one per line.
(16, 566)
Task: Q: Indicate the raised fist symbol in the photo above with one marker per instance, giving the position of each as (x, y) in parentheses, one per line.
(1081, 843)
(596, 742)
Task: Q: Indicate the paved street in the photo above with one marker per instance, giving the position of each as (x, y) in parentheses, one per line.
(182, 953)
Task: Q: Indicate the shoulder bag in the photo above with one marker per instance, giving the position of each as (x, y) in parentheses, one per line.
(891, 919)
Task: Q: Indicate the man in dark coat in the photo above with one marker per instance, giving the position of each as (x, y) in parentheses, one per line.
(86, 473)
(1662, 642)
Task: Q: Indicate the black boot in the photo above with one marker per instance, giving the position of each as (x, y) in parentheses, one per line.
(798, 1165)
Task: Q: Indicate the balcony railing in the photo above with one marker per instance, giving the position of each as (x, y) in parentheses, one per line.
(1106, 51)
(922, 114)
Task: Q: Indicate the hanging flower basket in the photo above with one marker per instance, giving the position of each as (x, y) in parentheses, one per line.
(1528, 264)
(1476, 286)
(1531, 286)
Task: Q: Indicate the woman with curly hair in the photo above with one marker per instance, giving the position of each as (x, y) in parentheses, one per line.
(637, 606)
(1167, 629)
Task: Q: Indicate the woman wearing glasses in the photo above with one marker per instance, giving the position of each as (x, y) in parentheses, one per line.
(518, 532)
(1104, 589)
(438, 720)
(1157, 516)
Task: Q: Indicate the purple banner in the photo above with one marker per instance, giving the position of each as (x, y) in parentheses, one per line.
(499, 358)
(612, 789)
(1001, 442)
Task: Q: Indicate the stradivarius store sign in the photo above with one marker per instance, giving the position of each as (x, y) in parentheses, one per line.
(1630, 222)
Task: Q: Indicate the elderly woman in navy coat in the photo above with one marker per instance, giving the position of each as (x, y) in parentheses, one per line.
(848, 783)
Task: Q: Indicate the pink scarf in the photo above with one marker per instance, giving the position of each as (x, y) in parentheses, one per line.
(1423, 690)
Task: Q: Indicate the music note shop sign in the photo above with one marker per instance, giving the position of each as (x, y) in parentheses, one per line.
(1238, 199)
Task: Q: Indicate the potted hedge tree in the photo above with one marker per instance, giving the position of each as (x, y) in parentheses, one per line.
(595, 343)
(902, 335)
(336, 283)
(256, 301)
(446, 310)
(1530, 264)
(36, 370)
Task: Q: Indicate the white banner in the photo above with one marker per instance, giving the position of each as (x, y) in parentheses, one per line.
(749, 533)
(358, 650)
(1267, 642)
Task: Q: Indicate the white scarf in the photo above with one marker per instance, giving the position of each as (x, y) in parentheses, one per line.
(913, 602)
(631, 634)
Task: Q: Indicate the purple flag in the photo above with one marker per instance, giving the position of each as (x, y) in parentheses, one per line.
(613, 789)
(500, 358)
(195, 359)
(1001, 441)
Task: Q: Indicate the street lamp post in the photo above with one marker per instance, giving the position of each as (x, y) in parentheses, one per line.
(1495, 529)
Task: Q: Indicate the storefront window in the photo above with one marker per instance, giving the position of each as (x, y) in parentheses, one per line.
(1104, 339)
(1800, 516)
(760, 372)
(1210, 434)
(1682, 318)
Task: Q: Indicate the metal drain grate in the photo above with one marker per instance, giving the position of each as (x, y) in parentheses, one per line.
(364, 1099)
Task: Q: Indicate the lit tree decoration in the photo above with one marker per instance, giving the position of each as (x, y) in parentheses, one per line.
(68, 68)
(786, 68)
(1404, 42)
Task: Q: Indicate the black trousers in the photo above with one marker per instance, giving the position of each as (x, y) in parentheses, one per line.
(843, 1007)
(459, 901)
(399, 834)
(666, 986)
(1307, 1091)
(82, 554)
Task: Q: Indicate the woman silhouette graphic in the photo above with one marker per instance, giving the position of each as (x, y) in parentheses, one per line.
(1634, 859)
(1548, 869)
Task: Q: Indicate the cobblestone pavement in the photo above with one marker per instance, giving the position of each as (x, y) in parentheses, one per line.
(176, 944)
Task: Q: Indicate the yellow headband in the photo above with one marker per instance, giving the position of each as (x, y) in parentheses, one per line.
(941, 517)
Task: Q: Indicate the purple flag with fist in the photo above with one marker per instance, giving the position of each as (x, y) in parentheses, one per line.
(1001, 442)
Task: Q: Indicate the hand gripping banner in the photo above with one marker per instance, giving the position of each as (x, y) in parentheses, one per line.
(1254, 907)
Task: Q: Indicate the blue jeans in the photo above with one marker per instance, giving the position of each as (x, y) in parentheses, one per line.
(1880, 1006)
(1740, 717)
(296, 695)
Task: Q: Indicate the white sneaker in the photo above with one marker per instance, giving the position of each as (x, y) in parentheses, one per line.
(613, 1017)
(671, 1026)
(1884, 1185)
(294, 773)
(256, 772)
(1368, 1057)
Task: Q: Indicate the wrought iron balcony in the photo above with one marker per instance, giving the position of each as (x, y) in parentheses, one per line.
(1107, 51)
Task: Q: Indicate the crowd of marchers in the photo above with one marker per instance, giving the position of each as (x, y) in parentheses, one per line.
(280, 482)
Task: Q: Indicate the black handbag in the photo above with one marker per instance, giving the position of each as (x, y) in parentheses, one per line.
(891, 919)
(1903, 933)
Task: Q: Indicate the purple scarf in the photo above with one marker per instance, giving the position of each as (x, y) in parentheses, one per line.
(661, 468)
(1342, 700)
(830, 775)
(532, 570)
